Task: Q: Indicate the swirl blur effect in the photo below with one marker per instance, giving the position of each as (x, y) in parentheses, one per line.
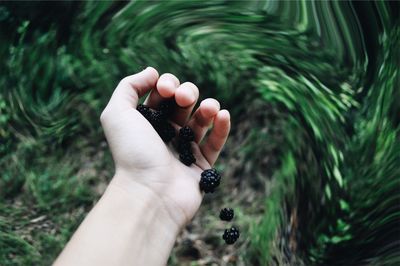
(312, 166)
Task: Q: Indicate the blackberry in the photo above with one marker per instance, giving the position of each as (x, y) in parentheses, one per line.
(187, 158)
(231, 235)
(210, 180)
(156, 119)
(144, 110)
(166, 108)
(184, 146)
(226, 214)
(166, 131)
(186, 133)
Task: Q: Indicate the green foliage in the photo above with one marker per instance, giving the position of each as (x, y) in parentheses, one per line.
(313, 88)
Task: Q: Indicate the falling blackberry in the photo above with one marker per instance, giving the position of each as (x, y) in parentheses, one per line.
(186, 133)
(226, 214)
(166, 131)
(166, 108)
(187, 158)
(231, 235)
(210, 180)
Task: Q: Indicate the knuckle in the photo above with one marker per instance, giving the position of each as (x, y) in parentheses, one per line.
(125, 80)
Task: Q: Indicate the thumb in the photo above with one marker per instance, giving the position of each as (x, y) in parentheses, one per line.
(131, 88)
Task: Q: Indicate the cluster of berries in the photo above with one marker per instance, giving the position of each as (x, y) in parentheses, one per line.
(159, 119)
(210, 178)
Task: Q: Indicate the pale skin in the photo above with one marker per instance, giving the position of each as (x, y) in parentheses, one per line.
(152, 194)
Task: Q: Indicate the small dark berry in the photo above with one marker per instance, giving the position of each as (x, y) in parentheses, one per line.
(231, 235)
(166, 108)
(184, 146)
(144, 110)
(210, 180)
(187, 158)
(226, 214)
(186, 133)
(156, 119)
(211, 173)
(166, 131)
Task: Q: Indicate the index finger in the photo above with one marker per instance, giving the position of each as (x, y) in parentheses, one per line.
(131, 88)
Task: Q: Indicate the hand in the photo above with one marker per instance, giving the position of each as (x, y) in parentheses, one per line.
(153, 194)
(143, 160)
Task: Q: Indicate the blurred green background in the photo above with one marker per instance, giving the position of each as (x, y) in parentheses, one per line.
(312, 166)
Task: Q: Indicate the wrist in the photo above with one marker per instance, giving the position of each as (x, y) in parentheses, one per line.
(141, 197)
(126, 227)
(146, 219)
(147, 187)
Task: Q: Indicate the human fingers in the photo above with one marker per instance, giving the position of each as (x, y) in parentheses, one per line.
(186, 96)
(203, 117)
(212, 147)
(131, 88)
(165, 88)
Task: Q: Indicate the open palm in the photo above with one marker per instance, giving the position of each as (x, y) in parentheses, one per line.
(140, 155)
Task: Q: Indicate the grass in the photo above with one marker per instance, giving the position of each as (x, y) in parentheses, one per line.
(310, 166)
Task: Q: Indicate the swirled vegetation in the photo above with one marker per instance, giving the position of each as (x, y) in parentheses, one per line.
(313, 162)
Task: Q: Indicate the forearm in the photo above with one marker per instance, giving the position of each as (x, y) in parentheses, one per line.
(126, 227)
